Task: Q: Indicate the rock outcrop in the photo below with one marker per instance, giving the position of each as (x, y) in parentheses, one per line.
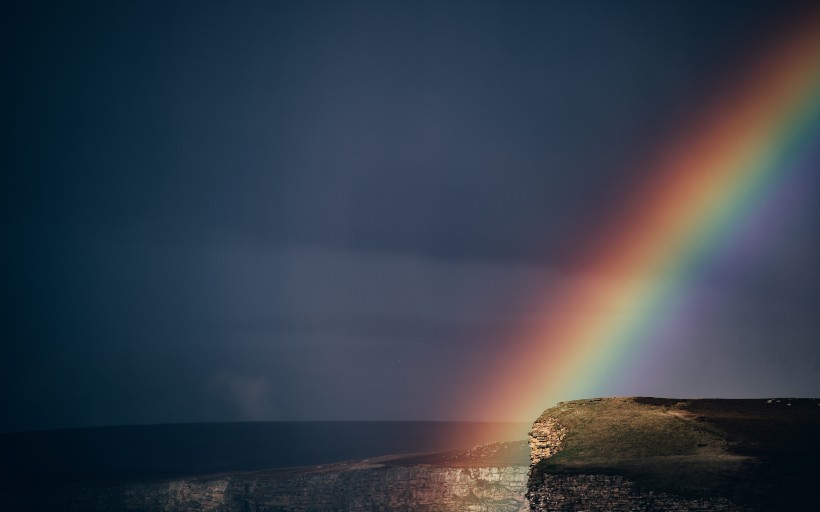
(545, 438)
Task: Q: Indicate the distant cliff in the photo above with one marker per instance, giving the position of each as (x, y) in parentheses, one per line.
(489, 478)
(649, 454)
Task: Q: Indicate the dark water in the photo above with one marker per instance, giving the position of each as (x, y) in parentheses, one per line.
(186, 449)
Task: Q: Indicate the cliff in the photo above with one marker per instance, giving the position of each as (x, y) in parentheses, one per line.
(489, 478)
(642, 454)
(611, 454)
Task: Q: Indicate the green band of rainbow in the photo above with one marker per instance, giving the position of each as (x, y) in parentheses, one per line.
(750, 148)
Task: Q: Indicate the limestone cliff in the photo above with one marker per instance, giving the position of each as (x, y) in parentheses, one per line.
(478, 480)
(648, 454)
(545, 438)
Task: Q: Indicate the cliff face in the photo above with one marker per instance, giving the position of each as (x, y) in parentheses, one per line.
(545, 438)
(614, 493)
(642, 454)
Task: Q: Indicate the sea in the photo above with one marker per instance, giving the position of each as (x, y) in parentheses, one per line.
(175, 450)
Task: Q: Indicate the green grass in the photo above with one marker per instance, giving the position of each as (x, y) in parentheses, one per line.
(622, 429)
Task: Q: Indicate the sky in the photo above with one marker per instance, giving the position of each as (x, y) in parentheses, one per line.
(231, 211)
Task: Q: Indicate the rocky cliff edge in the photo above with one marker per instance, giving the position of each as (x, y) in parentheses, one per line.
(641, 454)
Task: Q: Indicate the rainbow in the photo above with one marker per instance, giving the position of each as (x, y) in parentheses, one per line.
(757, 144)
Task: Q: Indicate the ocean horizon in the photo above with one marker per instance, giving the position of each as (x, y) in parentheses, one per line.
(173, 450)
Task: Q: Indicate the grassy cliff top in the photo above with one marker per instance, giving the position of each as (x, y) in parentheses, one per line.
(745, 450)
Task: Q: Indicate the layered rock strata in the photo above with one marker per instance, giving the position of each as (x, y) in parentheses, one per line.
(545, 438)
(596, 492)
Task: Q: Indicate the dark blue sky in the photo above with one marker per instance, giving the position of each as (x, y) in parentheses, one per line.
(309, 210)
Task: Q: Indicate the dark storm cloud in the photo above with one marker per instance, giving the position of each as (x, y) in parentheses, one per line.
(418, 128)
(317, 210)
